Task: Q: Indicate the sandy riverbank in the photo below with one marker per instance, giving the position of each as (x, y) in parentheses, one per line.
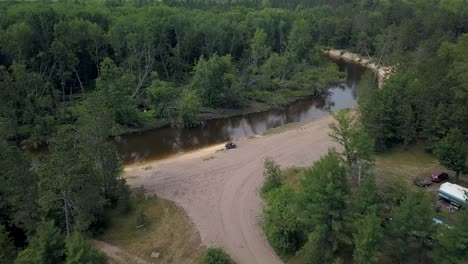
(220, 189)
(382, 72)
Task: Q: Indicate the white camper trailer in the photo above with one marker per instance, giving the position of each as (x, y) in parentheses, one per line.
(455, 194)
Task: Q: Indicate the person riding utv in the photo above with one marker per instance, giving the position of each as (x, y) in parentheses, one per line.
(230, 145)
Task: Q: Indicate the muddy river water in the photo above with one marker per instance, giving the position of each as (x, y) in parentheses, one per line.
(167, 141)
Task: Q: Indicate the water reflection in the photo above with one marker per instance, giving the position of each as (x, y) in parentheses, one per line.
(163, 142)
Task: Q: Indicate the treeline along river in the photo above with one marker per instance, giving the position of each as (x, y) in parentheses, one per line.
(167, 141)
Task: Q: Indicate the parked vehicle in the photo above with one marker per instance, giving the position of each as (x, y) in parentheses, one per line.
(230, 145)
(439, 176)
(422, 181)
(455, 194)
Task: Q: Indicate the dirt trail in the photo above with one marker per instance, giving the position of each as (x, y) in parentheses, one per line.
(116, 255)
(220, 189)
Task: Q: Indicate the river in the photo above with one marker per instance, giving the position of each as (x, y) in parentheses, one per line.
(164, 142)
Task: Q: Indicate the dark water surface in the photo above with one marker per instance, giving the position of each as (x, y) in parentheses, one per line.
(163, 142)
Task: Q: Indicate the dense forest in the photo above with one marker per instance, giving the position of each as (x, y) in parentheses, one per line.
(74, 73)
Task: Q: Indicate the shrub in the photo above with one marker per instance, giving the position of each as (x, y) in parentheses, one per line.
(281, 224)
(140, 217)
(272, 173)
(216, 256)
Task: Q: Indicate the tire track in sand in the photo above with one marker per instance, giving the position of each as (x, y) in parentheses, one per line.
(221, 193)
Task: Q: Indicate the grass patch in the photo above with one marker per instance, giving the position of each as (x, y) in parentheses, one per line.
(293, 176)
(400, 164)
(167, 230)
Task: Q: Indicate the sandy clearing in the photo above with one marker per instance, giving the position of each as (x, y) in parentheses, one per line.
(220, 189)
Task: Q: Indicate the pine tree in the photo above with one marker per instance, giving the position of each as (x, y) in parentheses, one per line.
(325, 206)
(412, 224)
(452, 151)
(367, 195)
(69, 189)
(368, 238)
(45, 247)
(80, 251)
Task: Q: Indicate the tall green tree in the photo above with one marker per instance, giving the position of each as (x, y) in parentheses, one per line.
(133, 41)
(189, 107)
(69, 190)
(216, 82)
(80, 251)
(300, 39)
(115, 86)
(368, 237)
(452, 151)
(94, 127)
(45, 247)
(356, 143)
(325, 204)
(367, 195)
(28, 105)
(18, 191)
(162, 97)
(412, 224)
(259, 53)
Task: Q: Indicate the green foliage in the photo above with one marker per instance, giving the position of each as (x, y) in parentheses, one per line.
(272, 174)
(382, 114)
(300, 39)
(367, 195)
(356, 143)
(140, 216)
(80, 251)
(412, 224)
(216, 81)
(259, 49)
(281, 222)
(452, 243)
(216, 256)
(273, 72)
(27, 104)
(325, 209)
(69, 190)
(368, 238)
(115, 85)
(18, 191)
(452, 151)
(94, 126)
(46, 246)
(189, 106)
(162, 96)
(7, 249)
